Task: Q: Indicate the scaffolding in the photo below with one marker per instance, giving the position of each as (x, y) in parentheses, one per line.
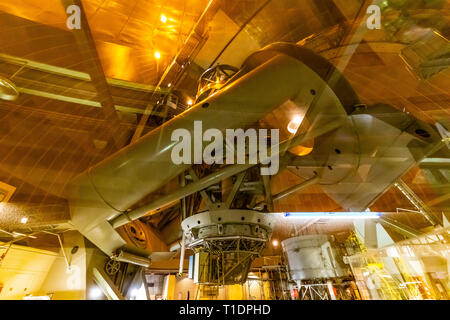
(413, 269)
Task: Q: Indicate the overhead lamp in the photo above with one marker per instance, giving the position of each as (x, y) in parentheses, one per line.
(169, 85)
(190, 102)
(294, 124)
(95, 292)
(163, 18)
(24, 220)
(157, 55)
(332, 215)
(275, 243)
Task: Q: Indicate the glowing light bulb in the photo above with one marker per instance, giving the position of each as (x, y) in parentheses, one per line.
(275, 243)
(95, 292)
(157, 55)
(24, 220)
(294, 124)
(163, 18)
(190, 102)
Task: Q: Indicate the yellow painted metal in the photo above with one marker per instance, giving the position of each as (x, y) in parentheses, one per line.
(23, 270)
(266, 287)
(235, 292)
(405, 270)
(169, 287)
(6, 192)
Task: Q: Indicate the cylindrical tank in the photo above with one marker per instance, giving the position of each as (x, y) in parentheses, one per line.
(313, 257)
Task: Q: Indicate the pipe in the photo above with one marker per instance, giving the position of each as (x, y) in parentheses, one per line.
(124, 256)
(62, 248)
(290, 191)
(296, 188)
(267, 192)
(183, 201)
(183, 248)
(216, 177)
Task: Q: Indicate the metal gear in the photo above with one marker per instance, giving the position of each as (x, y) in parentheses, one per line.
(112, 267)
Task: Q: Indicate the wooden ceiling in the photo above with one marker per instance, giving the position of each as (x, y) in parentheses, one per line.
(46, 141)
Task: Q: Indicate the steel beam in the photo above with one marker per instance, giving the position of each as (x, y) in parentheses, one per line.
(399, 227)
(268, 192)
(296, 188)
(417, 202)
(239, 179)
(88, 49)
(149, 109)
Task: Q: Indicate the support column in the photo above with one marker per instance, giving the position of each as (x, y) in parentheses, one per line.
(266, 282)
(331, 290)
(169, 287)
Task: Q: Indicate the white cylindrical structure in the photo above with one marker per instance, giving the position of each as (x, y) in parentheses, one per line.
(313, 257)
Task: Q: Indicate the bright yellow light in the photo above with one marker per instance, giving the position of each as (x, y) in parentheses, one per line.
(163, 18)
(275, 243)
(190, 102)
(169, 85)
(24, 220)
(157, 55)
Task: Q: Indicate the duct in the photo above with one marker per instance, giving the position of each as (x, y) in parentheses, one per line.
(117, 183)
(124, 256)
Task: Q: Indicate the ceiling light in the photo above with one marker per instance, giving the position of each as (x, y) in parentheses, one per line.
(190, 102)
(332, 215)
(275, 243)
(157, 55)
(163, 18)
(294, 124)
(169, 85)
(24, 220)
